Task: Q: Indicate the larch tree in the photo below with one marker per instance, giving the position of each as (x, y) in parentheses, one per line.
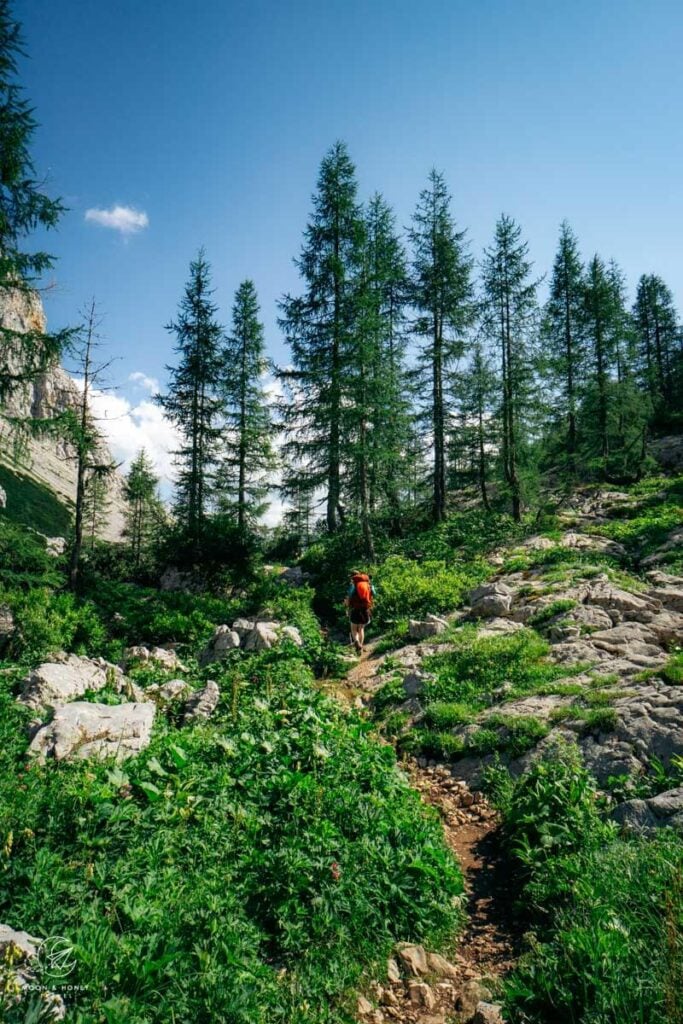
(656, 324)
(509, 311)
(475, 435)
(77, 426)
(391, 407)
(317, 325)
(144, 511)
(564, 343)
(441, 294)
(191, 401)
(376, 410)
(24, 207)
(599, 313)
(249, 456)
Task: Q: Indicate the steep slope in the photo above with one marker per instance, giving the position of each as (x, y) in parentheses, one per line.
(46, 461)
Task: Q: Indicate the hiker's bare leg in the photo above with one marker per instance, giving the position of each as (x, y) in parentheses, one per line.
(360, 635)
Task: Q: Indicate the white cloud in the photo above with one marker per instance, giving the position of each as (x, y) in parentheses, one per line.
(141, 380)
(125, 219)
(128, 427)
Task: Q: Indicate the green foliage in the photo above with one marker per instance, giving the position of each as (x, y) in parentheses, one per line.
(467, 680)
(246, 871)
(33, 504)
(544, 615)
(47, 622)
(24, 560)
(614, 952)
(553, 812)
(407, 588)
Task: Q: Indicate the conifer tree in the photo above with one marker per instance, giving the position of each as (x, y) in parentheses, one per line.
(441, 293)
(249, 455)
(509, 318)
(96, 506)
(656, 323)
(391, 409)
(564, 343)
(144, 510)
(78, 428)
(318, 326)
(24, 207)
(475, 436)
(191, 401)
(376, 406)
(599, 310)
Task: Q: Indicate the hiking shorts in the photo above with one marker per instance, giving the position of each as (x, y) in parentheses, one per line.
(359, 616)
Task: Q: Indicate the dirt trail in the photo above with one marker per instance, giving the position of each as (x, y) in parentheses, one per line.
(489, 945)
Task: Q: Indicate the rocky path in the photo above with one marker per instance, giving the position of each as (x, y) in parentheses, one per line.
(433, 990)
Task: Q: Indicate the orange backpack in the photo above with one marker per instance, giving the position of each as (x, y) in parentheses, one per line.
(362, 592)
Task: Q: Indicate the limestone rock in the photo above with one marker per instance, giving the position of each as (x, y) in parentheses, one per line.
(488, 1013)
(663, 810)
(25, 943)
(393, 971)
(68, 676)
(293, 634)
(431, 625)
(47, 459)
(500, 627)
(224, 640)
(168, 693)
(471, 995)
(490, 600)
(242, 627)
(421, 994)
(81, 730)
(414, 959)
(440, 966)
(25, 949)
(202, 703)
(55, 546)
(263, 636)
(161, 656)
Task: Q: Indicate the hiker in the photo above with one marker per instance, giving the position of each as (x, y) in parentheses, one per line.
(359, 604)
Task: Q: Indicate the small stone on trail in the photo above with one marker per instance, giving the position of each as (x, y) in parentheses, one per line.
(414, 959)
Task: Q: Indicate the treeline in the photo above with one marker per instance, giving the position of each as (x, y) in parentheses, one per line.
(418, 373)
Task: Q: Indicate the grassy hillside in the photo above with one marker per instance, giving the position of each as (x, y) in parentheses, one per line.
(256, 868)
(33, 504)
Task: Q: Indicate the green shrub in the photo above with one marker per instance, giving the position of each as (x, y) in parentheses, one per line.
(553, 812)
(614, 952)
(447, 714)
(245, 870)
(550, 611)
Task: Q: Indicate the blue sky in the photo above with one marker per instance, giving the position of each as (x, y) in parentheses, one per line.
(212, 117)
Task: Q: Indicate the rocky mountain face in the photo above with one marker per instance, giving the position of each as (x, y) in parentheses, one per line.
(49, 461)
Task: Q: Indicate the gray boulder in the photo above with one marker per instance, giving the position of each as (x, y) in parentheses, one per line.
(243, 626)
(263, 636)
(202, 704)
(491, 601)
(665, 809)
(293, 634)
(431, 625)
(168, 693)
(164, 657)
(3, 498)
(21, 950)
(68, 676)
(82, 730)
(224, 640)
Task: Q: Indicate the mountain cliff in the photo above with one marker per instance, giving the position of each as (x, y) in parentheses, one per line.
(48, 461)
